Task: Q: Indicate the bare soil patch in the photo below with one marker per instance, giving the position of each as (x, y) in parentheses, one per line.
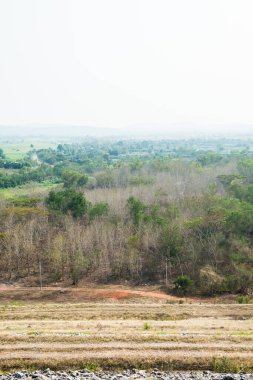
(92, 292)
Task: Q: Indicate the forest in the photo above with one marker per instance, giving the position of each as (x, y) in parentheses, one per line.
(178, 213)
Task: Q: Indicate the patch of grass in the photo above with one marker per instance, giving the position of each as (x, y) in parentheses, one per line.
(244, 300)
(166, 333)
(91, 366)
(241, 333)
(17, 150)
(27, 190)
(147, 326)
(33, 333)
(224, 365)
(15, 303)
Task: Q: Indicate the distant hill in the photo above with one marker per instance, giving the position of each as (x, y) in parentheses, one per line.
(177, 130)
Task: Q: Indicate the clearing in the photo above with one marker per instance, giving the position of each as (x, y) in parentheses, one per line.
(119, 327)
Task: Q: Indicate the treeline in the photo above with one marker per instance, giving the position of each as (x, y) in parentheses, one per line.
(24, 175)
(102, 164)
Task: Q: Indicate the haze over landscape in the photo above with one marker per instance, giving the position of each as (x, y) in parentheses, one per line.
(118, 64)
(145, 130)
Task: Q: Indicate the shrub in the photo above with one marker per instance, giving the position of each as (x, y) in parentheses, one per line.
(79, 267)
(105, 179)
(224, 365)
(67, 201)
(25, 212)
(182, 284)
(137, 210)
(147, 326)
(210, 281)
(244, 299)
(25, 202)
(91, 366)
(99, 209)
(72, 178)
(138, 181)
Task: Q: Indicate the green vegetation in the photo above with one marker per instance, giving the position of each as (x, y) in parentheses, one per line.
(147, 326)
(244, 300)
(18, 149)
(91, 366)
(224, 365)
(164, 211)
(67, 201)
(182, 284)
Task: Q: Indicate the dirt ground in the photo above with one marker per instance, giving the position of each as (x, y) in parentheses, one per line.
(95, 293)
(119, 327)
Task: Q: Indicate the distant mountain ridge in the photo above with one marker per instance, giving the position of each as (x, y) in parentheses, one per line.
(177, 130)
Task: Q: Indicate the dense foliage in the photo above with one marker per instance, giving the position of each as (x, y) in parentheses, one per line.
(176, 216)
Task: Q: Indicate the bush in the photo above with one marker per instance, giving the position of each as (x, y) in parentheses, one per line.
(182, 284)
(105, 179)
(79, 267)
(138, 181)
(73, 178)
(91, 366)
(244, 300)
(67, 201)
(99, 209)
(210, 281)
(224, 365)
(25, 202)
(137, 210)
(147, 326)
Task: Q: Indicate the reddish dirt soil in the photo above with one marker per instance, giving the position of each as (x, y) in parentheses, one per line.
(109, 293)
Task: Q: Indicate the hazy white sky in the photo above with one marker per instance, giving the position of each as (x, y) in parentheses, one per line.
(114, 63)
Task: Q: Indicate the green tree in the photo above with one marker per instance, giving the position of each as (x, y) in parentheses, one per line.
(245, 168)
(182, 284)
(171, 242)
(67, 201)
(79, 266)
(2, 155)
(209, 158)
(98, 210)
(72, 178)
(137, 210)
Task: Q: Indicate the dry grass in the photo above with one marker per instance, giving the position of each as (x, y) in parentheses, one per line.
(181, 336)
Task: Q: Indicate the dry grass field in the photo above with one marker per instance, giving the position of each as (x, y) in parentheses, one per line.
(112, 330)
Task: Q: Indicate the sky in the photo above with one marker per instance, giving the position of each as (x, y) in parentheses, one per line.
(119, 63)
